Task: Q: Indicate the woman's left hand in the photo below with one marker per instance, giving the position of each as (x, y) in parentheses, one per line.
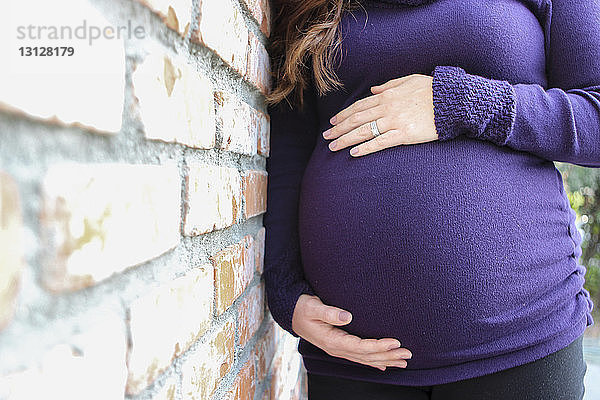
(403, 109)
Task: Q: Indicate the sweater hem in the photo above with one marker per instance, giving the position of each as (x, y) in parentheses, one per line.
(446, 374)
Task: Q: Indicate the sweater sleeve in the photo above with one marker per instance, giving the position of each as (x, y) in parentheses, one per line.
(561, 123)
(292, 139)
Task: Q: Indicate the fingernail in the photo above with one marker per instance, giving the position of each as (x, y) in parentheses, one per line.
(354, 151)
(394, 346)
(326, 133)
(333, 119)
(344, 316)
(332, 145)
(409, 355)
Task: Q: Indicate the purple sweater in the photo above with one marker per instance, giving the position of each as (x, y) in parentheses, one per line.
(464, 249)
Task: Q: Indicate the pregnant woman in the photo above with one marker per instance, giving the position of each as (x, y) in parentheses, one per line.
(412, 185)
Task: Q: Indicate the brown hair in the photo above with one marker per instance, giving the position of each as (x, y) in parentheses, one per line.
(303, 29)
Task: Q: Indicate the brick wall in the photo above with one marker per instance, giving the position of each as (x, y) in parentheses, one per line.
(131, 202)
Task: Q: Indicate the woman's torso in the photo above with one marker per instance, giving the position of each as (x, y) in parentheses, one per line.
(461, 249)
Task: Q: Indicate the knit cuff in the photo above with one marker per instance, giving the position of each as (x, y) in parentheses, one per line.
(284, 319)
(472, 105)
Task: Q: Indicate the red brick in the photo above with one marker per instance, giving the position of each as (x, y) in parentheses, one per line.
(244, 384)
(11, 247)
(263, 126)
(255, 193)
(234, 269)
(258, 70)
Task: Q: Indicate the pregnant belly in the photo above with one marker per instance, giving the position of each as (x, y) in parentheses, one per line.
(445, 246)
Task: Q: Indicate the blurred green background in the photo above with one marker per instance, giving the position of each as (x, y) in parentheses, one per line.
(582, 185)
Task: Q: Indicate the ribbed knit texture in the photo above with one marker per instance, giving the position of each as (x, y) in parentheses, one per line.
(484, 108)
(465, 248)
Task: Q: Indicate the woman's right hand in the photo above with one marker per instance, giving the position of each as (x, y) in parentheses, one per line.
(315, 322)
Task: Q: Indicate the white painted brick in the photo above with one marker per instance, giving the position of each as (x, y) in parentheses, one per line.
(100, 219)
(250, 313)
(236, 119)
(259, 65)
(223, 29)
(234, 269)
(213, 198)
(176, 103)
(90, 366)
(263, 126)
(265, 350)
(168, 391)
(259, 249)
(260, 10)
(203, 369)
(11, 247)
(286, 370)
(85, 89)
(175, 13)
(165, 322)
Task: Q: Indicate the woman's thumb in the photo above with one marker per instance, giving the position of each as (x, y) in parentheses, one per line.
(335, 316)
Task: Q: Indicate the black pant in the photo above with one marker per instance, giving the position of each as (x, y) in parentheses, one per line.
(558, 376)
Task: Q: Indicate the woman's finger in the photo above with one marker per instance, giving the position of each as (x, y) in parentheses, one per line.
(389, 356)
(374, 352)
(398, 364)
(383, 141)
(364, 132)
(349, 343)
(330, 314)
(358, 360)
(355, 136)
(378, 353)
(390, 84)
(377, 364)
(354, 121)
(379, 349)
(359, 105)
